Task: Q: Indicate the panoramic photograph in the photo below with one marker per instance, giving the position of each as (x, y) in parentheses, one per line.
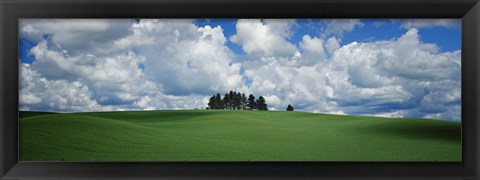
(163, 90)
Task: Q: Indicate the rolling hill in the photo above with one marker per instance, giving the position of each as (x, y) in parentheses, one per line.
(222, 135)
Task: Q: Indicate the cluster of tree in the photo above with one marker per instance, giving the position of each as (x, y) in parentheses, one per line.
(289, 107)
(237, 101)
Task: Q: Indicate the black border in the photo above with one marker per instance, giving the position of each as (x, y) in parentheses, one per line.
(12, 10)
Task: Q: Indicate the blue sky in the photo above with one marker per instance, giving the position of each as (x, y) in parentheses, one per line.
(372, 30)
(375, 67)
(447, 38)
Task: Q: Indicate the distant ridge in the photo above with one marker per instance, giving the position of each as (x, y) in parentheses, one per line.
(23, 114)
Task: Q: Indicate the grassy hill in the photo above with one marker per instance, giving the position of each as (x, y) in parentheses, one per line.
(220, 135)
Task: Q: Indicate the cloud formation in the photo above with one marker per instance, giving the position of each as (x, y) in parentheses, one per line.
(107, 65)
(428, 23)
(339, 26)
(264, 37)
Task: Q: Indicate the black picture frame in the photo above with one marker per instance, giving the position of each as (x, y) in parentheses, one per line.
(12, 10)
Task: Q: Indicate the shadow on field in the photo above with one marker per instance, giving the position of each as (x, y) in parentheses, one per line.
(24, 114)
(443, 132)
(153, 116)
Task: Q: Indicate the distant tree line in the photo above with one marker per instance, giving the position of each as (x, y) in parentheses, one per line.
(237, 101)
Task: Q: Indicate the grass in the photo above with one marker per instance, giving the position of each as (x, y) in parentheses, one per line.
(221, 135)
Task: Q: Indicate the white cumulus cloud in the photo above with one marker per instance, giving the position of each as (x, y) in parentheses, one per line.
(264, 38)
(427, 23)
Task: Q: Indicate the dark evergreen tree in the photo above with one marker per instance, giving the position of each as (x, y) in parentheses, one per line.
(238, 100)
(231, 99)
(244, 101)
(218, 102)
(226, 101)
(251, 102)
(261, 104)
(290, 107)
(234, 100)
(211, 102)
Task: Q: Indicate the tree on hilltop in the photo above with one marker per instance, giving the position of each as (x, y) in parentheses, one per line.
(218, 102)
(251, 102)
(233, 100)
(290, 107)
(211, 103)
(244, 101)
(261, 104)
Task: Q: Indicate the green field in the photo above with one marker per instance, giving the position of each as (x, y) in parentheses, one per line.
(221, 135)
